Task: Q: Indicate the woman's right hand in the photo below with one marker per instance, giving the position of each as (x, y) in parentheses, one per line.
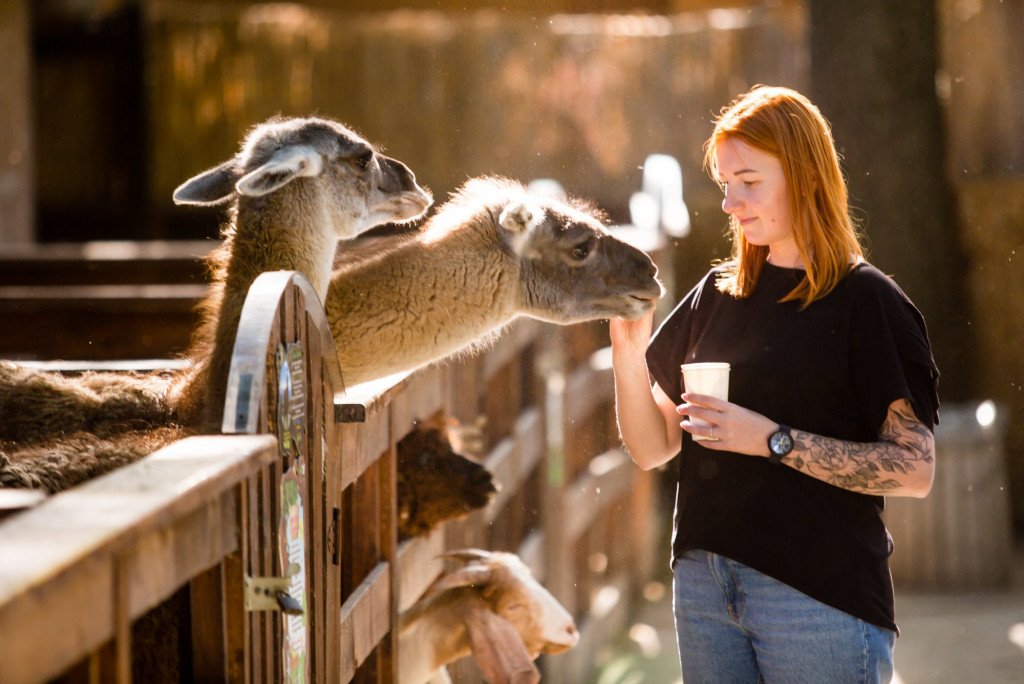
(631, 336)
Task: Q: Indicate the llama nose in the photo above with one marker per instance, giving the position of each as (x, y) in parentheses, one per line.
(571, 631)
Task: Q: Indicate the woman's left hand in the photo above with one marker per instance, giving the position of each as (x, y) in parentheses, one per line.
(732, 427)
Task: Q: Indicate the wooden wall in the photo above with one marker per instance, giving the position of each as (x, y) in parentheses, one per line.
(16, 154)
(582, 98)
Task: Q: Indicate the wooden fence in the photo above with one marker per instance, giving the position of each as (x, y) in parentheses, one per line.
(247, 525)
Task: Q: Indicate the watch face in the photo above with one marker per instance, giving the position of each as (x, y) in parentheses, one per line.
(781, 443)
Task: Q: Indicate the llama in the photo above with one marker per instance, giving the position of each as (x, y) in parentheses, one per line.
(300, 186)
(492, 253)
(491, 607)
(297, 187)
(435, 483)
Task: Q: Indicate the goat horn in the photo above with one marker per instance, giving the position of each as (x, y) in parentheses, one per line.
(467, 555)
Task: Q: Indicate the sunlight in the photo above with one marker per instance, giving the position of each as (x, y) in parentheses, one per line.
(1016, 634)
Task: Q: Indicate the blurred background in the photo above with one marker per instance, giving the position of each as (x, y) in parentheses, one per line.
(109, 104)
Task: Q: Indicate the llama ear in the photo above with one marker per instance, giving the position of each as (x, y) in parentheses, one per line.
(285, 166)
(498, 648)
(213, 186)
(519, 219)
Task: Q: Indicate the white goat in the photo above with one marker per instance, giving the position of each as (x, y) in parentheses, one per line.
(493, 608)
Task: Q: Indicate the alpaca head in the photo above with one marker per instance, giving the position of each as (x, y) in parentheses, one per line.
(436, 483)
(572, 268)
(360, 187)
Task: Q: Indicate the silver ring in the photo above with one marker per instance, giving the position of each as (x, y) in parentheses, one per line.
(712, 435)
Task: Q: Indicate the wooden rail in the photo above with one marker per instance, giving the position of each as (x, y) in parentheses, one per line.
(313, 513)
(78, 568)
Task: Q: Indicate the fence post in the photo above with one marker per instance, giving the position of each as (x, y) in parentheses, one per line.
(959, 537)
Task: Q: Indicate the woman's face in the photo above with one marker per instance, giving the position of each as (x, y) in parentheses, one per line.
(756, 196)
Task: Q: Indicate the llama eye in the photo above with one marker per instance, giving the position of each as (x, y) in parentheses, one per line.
(581, 252)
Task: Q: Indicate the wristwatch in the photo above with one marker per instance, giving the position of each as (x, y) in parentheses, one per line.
(780, 443)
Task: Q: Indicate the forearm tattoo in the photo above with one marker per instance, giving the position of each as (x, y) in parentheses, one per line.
(905, 445)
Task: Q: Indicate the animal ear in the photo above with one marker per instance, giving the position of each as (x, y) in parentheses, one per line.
(351, 148)
(498, 648)
(469, 576)
(520, 217)
(213, 186)
(285, 166)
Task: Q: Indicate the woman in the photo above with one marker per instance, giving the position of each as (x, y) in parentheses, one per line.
(779, 552)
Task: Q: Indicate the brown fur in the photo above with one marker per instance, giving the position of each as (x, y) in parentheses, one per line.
(436, 484)
(60, 463)
(38, 405)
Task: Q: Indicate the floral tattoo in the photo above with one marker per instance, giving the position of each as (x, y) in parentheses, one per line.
(868, 467)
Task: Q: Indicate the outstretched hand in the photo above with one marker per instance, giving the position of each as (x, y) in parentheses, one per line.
(732, 427)
(631, 336)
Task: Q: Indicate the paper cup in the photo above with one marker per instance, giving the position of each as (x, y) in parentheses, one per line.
(711, 378)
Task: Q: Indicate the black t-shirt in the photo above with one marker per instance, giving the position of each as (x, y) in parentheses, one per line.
(831, 369)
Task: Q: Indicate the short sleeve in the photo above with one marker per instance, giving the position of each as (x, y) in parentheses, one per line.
(891, 357)
(668, 346)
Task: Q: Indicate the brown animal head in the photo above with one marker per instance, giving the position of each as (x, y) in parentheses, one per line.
(436, 484)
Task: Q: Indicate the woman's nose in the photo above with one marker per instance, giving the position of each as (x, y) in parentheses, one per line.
(729, 202)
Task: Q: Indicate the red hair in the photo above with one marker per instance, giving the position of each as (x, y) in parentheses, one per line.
(785, 124)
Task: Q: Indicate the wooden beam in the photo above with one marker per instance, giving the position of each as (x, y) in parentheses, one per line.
(608, 477)
(365, 615)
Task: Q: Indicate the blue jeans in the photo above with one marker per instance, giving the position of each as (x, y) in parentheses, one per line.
(737, 625)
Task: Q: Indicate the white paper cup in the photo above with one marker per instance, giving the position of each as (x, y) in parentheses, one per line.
(711, 378)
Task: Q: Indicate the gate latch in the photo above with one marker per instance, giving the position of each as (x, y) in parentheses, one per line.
(271, 593)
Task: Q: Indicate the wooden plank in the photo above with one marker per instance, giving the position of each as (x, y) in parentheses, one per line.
(586, 390)
(609, 476)
(237, 637)
(387, 667)
(118, 365)
(359, 401)
(422, 397)
(112, 511)
(158, 562)
(361, 446)
(365, 614)
(207, 608)
(514, 458)
(102, 298)
(418, 566)
(531, 552)
(318, 565)
(15, 500)
(513, 341)
(47, 629)
(122, 622)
